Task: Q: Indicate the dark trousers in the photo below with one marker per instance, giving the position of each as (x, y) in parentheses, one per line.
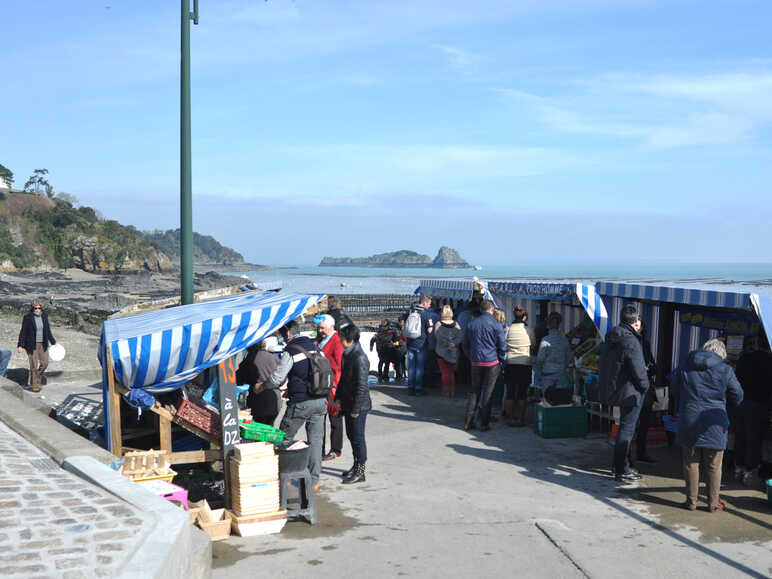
(478, 405)
(627, 420)
(336, 433)
(518, 379)
(355, 431)
(749, 429)
(38, 362)
(644, 423)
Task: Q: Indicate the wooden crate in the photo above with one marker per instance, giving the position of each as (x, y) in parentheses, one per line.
(263, 524)
(198, 416)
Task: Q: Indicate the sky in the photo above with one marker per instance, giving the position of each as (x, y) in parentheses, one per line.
(513, 131)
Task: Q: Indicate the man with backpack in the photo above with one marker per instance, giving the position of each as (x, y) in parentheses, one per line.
(309, 381)
(417, 328)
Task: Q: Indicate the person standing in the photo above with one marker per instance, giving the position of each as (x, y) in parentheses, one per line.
(554, 355)
(448, 337)
(647, 412)
(703, 387)
(335, 309)
(303, 408)
(353, 400)
(260, 363)
(416, 330)
(623, 382)
(34, 337)
(517, 371)
(486, 343)
(328, 341)
(754, 371)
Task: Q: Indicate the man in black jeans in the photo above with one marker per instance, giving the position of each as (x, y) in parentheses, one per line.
(623, 382)
(485, 340)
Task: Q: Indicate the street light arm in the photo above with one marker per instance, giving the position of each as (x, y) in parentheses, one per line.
(194, 14)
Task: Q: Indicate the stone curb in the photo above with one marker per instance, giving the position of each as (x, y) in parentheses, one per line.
(173, 548)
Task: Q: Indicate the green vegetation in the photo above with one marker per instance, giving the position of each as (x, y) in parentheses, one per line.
(206, 249)
(6, 175)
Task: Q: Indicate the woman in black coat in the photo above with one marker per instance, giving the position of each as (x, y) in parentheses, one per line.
(34, 338)
(353, 399)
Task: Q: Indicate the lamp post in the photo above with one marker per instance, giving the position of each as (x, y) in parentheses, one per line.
(186, 201)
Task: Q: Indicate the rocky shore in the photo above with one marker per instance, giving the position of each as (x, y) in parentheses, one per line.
(80, 300)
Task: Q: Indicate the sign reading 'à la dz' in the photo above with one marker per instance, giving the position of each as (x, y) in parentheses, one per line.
(229, 415)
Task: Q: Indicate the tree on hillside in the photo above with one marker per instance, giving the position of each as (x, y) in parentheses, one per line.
(37, 181)
(6, 176)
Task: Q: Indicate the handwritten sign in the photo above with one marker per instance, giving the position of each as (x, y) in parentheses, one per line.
(226, 379)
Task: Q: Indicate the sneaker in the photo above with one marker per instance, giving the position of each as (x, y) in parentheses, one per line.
(628, 476)
(332, 455)
(718, 507)
(689, 506)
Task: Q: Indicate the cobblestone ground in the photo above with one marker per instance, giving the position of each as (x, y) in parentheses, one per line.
(53, 523)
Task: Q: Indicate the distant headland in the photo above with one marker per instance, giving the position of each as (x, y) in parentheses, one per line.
(447, 258)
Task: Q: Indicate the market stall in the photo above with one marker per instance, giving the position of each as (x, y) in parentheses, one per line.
(585, 323)
(155, 353)
(681, 319)
(453, 291)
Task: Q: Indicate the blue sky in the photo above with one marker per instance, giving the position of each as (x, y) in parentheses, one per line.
(588, 130)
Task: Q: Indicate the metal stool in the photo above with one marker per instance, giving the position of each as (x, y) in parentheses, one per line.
(305, 506)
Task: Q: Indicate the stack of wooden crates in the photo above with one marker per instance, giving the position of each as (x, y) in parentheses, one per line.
(254, 480)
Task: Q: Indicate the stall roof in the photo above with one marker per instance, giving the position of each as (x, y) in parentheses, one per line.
(677, 295)
(585, 294)
(163, 349)
(454, 289)
(760, 304)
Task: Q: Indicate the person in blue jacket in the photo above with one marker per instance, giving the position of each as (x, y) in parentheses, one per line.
(485, 342)
(703, 387)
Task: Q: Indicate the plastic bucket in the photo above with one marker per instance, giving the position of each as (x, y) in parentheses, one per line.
(293, 460)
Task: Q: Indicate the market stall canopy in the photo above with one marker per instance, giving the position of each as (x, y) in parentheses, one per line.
(581, 294)
(161, 350)
(453, 289)
(750, 303)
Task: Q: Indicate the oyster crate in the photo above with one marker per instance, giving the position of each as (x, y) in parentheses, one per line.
(199, 416)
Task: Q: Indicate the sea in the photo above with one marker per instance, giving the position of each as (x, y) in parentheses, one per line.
(734, 277)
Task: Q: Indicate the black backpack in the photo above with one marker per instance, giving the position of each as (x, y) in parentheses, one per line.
(319, 372)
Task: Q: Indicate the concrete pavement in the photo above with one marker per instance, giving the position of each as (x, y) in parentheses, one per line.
(442, 502)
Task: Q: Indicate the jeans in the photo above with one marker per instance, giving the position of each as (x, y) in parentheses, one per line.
(5, 357)
(310, 414)
(415, 368)
(355, 431)
(479, 400)
(628, 419)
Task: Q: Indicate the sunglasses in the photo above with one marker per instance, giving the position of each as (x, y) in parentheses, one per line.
(37, 308)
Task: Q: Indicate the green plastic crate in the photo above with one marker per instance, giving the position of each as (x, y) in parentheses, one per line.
(261, 432)
(560, 421)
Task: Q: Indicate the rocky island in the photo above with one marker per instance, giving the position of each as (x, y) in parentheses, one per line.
(447, 258)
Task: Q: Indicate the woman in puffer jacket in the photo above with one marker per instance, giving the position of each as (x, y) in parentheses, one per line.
(353, 399)
(448, 336)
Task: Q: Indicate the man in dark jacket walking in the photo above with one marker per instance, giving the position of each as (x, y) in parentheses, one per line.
(34, 337)
(303, 409)
(623, 382)
(485, 341)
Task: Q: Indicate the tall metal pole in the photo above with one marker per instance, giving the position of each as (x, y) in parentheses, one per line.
(186, 197)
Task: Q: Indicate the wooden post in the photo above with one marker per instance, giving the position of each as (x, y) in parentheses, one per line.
(113, 410)
(165, 432)
(226, 380)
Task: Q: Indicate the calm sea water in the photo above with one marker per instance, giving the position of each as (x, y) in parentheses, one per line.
(739, 277)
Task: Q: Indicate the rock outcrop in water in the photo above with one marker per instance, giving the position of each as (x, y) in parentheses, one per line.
(449, 259)
(446, 258)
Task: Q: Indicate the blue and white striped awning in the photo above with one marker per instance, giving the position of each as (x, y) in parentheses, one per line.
(583, 294)
(453, 289)
(762, 305)
(677, 295)
(163, 349)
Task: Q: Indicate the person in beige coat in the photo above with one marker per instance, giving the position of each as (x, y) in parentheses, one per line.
(517, 371)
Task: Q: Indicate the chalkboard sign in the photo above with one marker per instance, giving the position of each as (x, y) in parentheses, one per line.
(229, 416)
